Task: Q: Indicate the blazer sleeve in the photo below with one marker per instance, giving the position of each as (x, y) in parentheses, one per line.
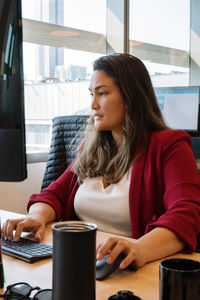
(59, 195)
(182, 190)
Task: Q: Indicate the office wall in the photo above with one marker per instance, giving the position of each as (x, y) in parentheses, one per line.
(14, 195)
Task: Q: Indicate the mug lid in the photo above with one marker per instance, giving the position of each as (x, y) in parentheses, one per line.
(74, 226)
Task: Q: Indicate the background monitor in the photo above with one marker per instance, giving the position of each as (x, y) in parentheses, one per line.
(180, 107)
(12, 125)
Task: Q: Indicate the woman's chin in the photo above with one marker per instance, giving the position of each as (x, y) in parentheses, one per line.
(98, 126)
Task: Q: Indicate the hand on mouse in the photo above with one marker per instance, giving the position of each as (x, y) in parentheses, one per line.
(115, 245)
(156, 244)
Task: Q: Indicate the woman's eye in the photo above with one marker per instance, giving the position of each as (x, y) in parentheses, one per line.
(102, 93)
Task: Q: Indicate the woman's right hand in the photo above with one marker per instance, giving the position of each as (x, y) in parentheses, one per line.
(39, 214)
(27, 224)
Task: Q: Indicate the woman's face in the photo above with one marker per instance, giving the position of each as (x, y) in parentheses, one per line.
(107, 103)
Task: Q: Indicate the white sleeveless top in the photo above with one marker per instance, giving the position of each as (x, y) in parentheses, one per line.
(107, 207)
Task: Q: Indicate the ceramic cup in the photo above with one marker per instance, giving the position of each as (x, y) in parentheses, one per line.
(179, 279)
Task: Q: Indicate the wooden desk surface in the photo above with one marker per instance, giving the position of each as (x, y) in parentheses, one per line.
(144, 283)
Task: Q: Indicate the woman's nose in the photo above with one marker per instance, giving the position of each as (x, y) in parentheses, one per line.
(94, 104)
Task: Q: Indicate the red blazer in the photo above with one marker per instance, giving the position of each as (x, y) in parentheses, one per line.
(164, 189)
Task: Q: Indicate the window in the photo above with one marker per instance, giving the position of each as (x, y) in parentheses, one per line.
(159, 35)
(61, 40)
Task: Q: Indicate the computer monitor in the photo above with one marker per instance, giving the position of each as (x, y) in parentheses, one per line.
(180, 107)
(12, 125)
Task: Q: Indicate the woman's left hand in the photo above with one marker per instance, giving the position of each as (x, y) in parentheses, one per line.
(156, 244)
(115, 245)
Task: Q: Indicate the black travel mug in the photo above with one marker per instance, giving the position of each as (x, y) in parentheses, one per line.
(74, 261)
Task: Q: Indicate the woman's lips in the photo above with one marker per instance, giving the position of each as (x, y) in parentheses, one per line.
(98, 116)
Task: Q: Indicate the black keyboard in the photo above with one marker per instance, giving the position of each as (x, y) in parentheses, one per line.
(27, 250)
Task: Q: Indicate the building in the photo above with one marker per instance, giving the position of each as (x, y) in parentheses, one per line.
(56, 16)
(51, 12)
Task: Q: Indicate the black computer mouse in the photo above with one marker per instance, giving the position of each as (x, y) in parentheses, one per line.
(103, 269)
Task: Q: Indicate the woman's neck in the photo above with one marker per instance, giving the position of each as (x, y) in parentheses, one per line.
(117, 136)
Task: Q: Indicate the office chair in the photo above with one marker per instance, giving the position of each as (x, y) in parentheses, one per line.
(64, 130)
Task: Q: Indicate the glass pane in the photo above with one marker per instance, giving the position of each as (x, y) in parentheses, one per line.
(159, 35)
(62, 92)
(56, 77)
(87, 15)
(161, 22)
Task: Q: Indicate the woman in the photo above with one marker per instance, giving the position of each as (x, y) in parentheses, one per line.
(133, 176)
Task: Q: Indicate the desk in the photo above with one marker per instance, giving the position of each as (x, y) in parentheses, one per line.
(144, 282)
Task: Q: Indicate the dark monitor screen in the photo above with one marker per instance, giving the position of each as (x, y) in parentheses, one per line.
(12, 127)
(180, 107)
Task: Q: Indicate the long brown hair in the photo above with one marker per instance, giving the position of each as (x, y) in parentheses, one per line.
(98, 155)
